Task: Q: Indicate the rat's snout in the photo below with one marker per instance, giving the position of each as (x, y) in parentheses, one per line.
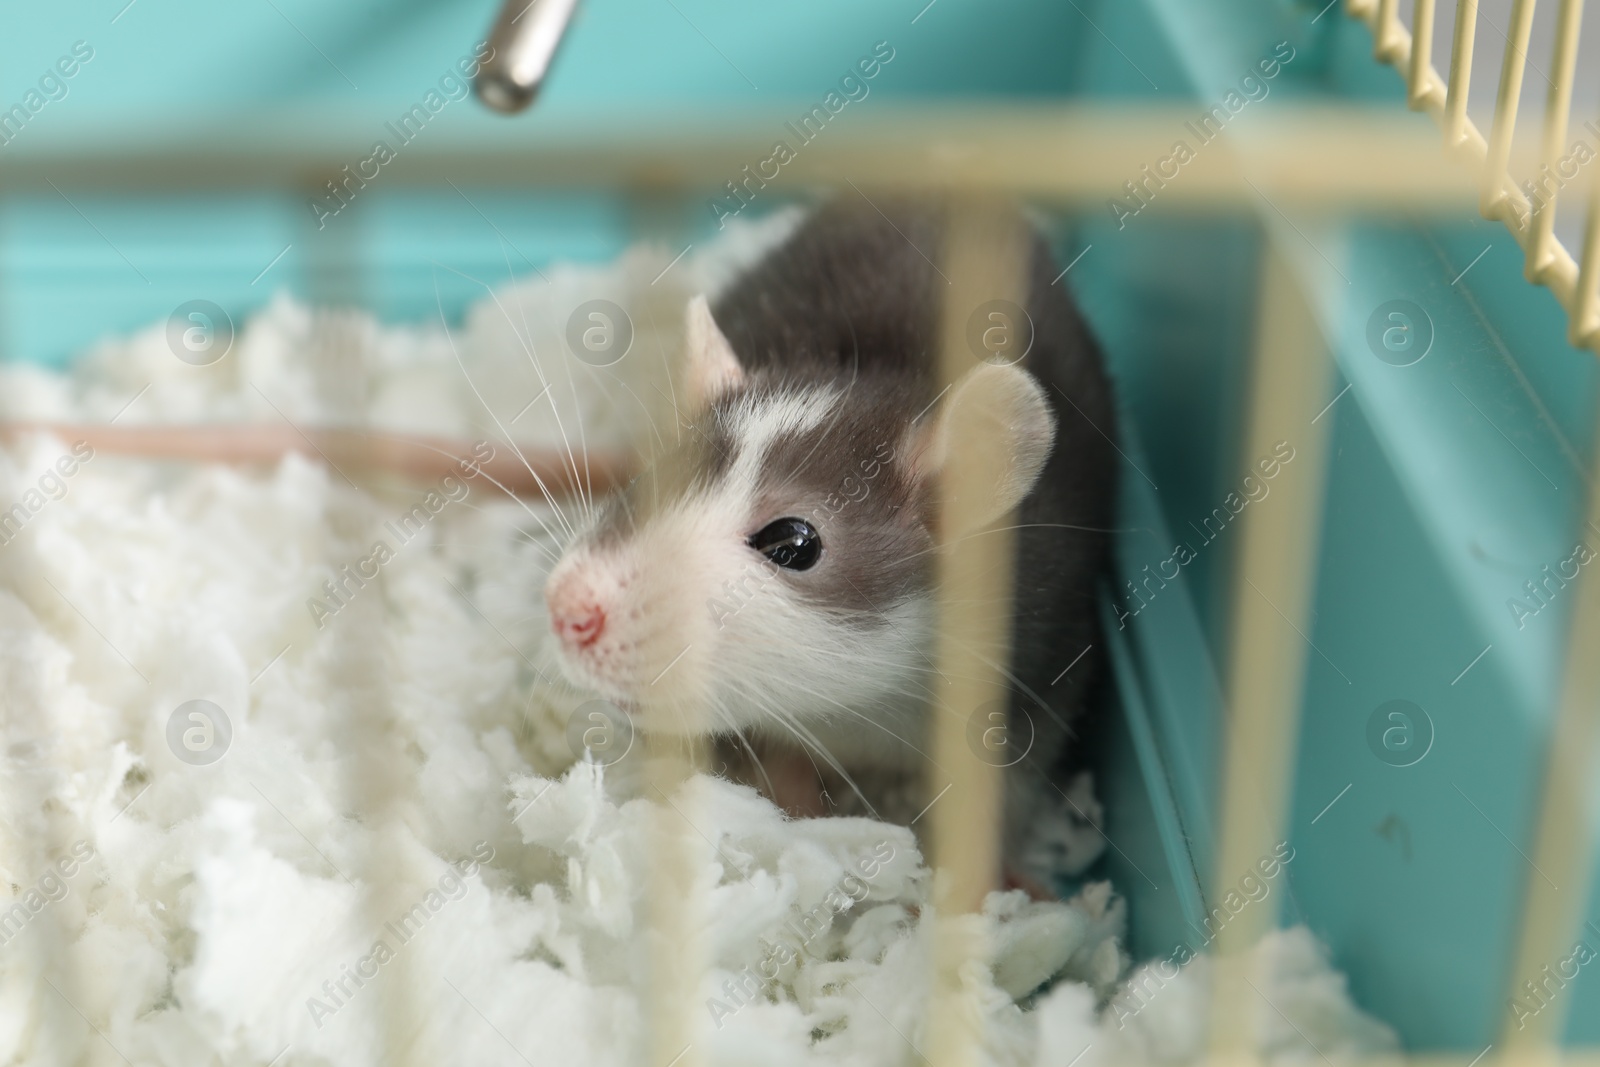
(578, 612)
(579, 624)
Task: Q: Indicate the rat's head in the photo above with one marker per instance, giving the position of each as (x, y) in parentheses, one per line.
(775, 563)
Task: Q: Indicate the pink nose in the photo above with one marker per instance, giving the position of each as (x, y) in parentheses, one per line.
(575, 615)
(584, 628)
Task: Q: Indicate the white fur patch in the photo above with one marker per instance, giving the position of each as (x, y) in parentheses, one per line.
(714, 637)
(755, 422)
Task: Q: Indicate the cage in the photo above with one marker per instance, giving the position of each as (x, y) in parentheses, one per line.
(1376, 656)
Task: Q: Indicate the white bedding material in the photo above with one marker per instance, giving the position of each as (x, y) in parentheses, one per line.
(394, 776)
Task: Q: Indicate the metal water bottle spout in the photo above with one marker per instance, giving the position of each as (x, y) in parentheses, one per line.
(524, 40)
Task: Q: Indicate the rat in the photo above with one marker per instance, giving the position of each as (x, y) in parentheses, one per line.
(767, 581)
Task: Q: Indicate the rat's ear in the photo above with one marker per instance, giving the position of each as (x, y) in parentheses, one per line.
(710, 367)
(998, 417)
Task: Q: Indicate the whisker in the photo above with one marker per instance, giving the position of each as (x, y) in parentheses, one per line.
(666, 365)
(538, 370)
(450, 337)
(813, 747)
(649, 417)
(586, 488)
(491, 479)
(868, 719)
(755, 761)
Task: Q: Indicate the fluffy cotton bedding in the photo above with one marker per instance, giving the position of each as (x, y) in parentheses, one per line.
(393, 858)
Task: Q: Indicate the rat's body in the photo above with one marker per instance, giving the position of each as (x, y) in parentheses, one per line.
(819, 401)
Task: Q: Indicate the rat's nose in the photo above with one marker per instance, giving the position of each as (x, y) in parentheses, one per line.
(576, 614)
(584, 627)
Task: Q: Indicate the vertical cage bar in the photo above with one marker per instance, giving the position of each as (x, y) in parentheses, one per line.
(1557, 113)
(1564, 849)
(49, 951)
(1386, 42)
(1418, 82)
(363, 695)
(1272, 597)
(1460, 80)
(675, 961)
(1581, 330)
(985, 256)
(674, 958)
(1497, 173)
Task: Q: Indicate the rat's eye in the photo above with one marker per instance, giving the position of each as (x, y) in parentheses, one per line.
(790, 543)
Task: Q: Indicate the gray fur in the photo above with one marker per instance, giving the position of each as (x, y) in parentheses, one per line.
(852, 297)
